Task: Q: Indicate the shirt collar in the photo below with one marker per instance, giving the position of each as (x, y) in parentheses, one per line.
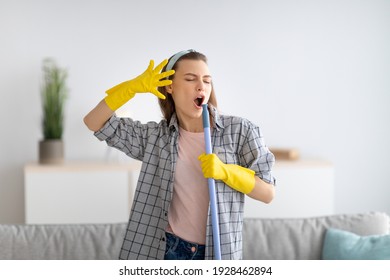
(216, 119)
(173, 123)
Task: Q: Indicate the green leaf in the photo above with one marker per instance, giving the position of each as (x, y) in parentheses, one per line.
(54, 94)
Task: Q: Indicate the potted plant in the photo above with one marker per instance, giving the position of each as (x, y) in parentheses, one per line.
(53, 94)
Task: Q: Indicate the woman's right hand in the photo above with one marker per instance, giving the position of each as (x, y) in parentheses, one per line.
(148, 81)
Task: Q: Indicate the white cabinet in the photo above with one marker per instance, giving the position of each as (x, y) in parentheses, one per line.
(304, 188)
(79, 192)
(103, 192)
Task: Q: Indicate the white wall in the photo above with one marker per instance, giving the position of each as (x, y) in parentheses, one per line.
(313, 74)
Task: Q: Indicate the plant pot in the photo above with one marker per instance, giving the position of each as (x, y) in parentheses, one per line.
(51, 151)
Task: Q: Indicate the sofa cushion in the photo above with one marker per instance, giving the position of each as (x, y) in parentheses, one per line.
(50, 242)
(345, 245)
(262, 238)
(302, 238)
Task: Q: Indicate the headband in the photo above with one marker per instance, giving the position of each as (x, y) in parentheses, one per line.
(176, 57)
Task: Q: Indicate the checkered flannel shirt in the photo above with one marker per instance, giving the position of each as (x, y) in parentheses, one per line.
(234, 140)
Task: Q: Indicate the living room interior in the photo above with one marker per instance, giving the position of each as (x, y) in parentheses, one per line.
(314, 75)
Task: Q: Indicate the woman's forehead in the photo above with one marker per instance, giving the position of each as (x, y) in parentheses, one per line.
(186, 65)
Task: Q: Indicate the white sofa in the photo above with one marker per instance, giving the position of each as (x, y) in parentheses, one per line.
(270, 239)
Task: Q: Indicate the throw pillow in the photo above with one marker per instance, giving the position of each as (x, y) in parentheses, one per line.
(344, 245)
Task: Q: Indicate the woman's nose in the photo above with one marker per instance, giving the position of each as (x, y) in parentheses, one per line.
(201, 86)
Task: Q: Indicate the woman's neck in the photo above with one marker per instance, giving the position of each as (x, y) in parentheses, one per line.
(191, 125)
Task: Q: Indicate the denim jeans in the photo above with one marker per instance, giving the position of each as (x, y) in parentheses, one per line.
(179, 249)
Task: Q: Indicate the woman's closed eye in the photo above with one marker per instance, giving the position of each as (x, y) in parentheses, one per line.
(189, 77)
(195, 80)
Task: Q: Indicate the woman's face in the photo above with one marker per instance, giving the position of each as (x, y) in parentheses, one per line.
(190, 88)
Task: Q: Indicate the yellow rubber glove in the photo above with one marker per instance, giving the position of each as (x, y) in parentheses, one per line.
(148, 81)
(237, 177)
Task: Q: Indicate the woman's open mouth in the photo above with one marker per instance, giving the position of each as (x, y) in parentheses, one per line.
(199, 101)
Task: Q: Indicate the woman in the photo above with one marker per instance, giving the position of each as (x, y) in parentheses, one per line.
(170, 216)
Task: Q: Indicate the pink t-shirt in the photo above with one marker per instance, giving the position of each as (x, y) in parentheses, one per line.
(188, 210)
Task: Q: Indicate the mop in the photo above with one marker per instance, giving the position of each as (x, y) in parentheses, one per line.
(211, 183)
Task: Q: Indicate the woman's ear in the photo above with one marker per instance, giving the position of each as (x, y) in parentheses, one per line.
(169, 89)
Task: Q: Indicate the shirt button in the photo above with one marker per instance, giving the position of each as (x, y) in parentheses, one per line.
(193, 249)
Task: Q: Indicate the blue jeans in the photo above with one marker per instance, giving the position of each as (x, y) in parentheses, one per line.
(179, 249)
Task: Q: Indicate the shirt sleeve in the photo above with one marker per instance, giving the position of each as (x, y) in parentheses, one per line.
(256, 155)
(126, 135)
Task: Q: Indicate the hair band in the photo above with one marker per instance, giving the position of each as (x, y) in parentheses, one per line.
(176, 57)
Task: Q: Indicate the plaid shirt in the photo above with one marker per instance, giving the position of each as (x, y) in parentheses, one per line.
(234, 140)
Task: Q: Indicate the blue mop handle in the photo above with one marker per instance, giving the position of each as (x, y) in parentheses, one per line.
(211, 183)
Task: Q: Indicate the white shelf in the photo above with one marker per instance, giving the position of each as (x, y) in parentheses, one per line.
(304, 188)
(79, 192)
(96, 192)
